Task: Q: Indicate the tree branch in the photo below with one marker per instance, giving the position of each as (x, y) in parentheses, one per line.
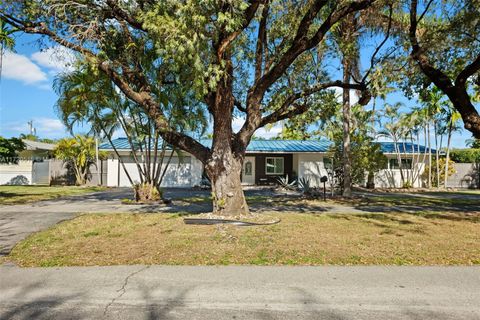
(142, 98)
(281, 112)
(286, 114)
(469, 71)
(379, 47)
(261, 42)
(226, 39)
(456, 92)
(302, 43)
(118, 13)
(239, 106)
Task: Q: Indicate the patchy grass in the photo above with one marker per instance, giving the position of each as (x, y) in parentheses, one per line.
(427, 201)
(436, 201)
(300, 239)
(25, 194)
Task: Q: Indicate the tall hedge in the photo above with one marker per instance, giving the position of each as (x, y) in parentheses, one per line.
(465, 155)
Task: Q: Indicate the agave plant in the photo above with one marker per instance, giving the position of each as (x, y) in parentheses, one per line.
(305, 186)
(285, 183)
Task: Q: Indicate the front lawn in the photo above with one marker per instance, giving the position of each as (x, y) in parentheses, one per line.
(423, 238)
(25, 194)
(449, 201)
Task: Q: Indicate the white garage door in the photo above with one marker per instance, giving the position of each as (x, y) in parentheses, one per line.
(178, 173)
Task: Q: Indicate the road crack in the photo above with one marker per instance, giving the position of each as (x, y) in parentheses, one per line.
(123, 289)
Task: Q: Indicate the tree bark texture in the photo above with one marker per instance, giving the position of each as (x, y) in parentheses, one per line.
(224, 165)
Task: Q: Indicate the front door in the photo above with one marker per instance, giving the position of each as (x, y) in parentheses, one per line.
(248, 172)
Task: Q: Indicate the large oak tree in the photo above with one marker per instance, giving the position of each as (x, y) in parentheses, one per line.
(256, 59)
(445, 44)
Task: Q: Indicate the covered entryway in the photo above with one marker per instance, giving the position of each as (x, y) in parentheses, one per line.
(248, 172)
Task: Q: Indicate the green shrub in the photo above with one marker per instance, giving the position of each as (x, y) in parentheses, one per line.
(465, 155)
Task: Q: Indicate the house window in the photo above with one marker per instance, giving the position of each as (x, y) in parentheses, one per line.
(273, 165)
(406, 164)
(248, 168)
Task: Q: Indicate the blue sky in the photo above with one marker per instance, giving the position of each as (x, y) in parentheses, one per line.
(26, 93)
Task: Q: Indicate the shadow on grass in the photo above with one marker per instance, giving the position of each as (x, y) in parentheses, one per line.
(386, 219)
(419, 203)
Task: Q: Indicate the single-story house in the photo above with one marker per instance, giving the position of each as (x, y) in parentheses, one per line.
(29, 167)
(265, 161)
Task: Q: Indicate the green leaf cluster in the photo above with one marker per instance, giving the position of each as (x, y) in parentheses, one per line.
(78, 152)
(9, 149)
(465, 155)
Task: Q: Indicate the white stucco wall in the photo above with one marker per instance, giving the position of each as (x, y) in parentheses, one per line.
(196, 171)
(185, 171)
(10, 171)
(310, 166)
(391, 178)
(188, 171)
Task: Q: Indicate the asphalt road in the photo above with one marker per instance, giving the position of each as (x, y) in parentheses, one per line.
(161, 292)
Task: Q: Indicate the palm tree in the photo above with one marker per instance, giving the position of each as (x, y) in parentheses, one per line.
(347, 36)
(394, 129)
(347, 39)
(6, 42)
(452, 117)
(87, 97)
(432, 106)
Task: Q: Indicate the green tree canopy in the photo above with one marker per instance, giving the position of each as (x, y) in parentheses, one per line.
(9, 149)
(78, 152)
(257, 58)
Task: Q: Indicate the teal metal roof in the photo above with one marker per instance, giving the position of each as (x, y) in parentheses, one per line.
(286, 146)
(289, 146)
(407, 147)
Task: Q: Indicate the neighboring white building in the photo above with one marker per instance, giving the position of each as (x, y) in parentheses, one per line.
(30, 167)
(265, 161)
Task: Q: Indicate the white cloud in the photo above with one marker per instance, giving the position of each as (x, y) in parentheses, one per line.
(21, 68)
(262, 132)
(49, 125)
(270, 133)
(45, 127)
(56, 59)
(353, 95)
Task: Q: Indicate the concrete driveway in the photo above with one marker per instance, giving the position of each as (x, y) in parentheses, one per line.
(162, 292)
(18, 221)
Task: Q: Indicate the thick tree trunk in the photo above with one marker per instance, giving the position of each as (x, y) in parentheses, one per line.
(224, 172)
(224, 166)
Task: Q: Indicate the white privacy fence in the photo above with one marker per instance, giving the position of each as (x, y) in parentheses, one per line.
(46, 172)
